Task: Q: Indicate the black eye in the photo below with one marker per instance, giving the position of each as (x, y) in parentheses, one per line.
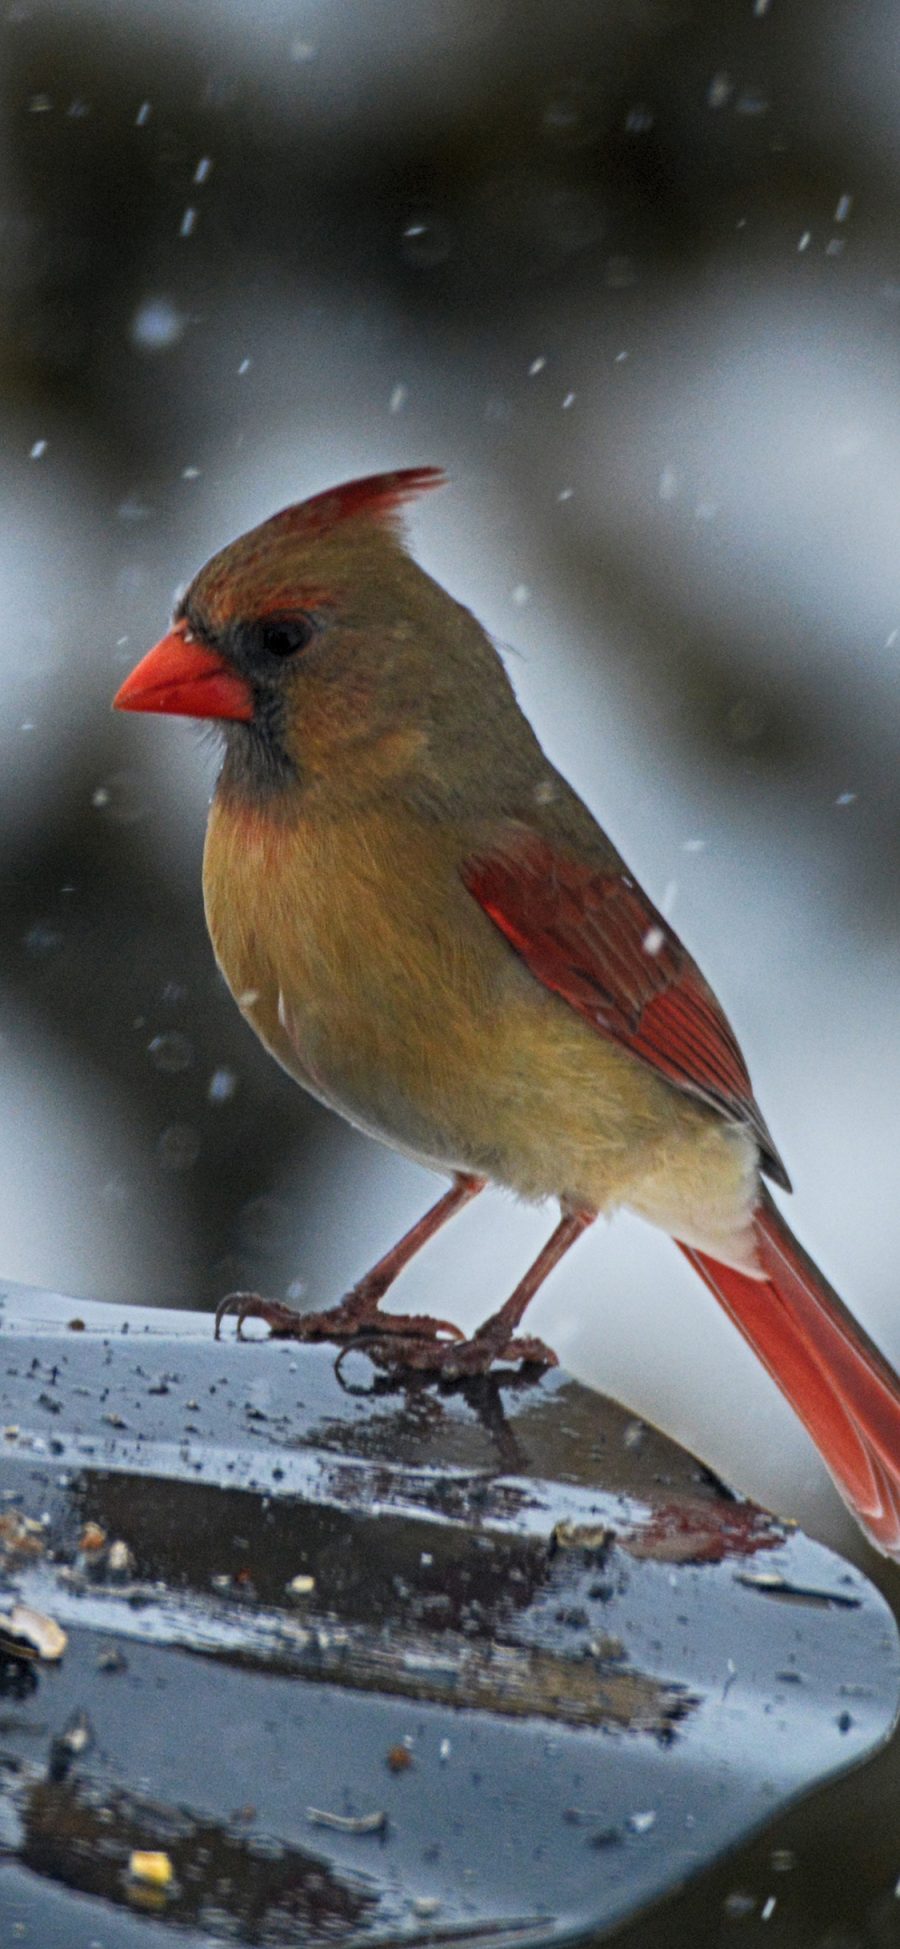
(287, 635)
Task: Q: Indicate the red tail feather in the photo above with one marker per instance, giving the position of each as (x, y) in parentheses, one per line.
(842, 1388)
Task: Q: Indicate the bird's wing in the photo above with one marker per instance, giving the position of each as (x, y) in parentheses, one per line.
(594, 938)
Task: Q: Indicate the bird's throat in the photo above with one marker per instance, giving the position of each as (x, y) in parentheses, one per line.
(258, 770)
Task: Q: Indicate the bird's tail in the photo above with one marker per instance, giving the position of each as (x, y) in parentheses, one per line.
(842, 1388)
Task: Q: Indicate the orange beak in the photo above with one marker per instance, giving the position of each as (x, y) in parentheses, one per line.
(179, 675)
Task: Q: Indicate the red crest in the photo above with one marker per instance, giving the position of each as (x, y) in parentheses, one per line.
(378, 496)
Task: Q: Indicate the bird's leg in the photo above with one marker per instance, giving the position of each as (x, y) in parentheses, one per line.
(496, 1339)
(358, 1312)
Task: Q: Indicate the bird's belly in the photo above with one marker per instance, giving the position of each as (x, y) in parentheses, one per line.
(433, 1036)
(535, 1101)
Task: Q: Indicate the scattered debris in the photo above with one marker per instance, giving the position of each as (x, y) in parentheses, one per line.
(112, 1660)
(685, 1533)
(607, 1837)
(75, 1739)
(739, 1904)
(775, 1585)
(21, 1535)
(27, 1634)
(92, 1537)
(348, 1823)
(120, 1563)
(301, 1586)
(581, 1536)
(151, 1867)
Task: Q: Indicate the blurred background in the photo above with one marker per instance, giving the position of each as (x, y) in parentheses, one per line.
(630, 273)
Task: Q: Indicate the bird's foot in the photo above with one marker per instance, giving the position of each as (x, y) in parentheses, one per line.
(452, 1359)
(356, 1320)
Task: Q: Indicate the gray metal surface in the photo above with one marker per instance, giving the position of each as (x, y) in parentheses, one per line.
(548, 1663)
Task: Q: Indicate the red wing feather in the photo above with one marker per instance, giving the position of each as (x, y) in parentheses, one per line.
(595, 939)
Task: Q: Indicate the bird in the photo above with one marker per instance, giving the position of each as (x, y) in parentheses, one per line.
(429, 930)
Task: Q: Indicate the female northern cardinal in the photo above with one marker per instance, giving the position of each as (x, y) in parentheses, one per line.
(428, 929)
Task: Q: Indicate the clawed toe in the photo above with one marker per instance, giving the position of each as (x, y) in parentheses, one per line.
(408, 1326)
(452, 1359)
(484, 1350)
(528, 1351)
(393, 1341)
(355, 1321)
(281, 1319)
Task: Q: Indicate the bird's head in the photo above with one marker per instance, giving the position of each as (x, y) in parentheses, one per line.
(319, 646)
